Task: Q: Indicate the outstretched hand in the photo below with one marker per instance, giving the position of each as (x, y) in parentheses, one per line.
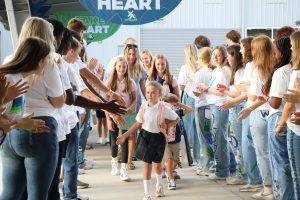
(226, 105)
(34, 125)
(244, 113)
(121, 139)
(293, 96)
(114, 108)
(7, 125)
(16, 90)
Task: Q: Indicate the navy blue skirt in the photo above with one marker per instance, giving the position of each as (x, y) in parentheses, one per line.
(150, 147)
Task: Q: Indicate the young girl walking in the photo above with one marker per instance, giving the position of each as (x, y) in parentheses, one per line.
(151, 142)
(160, 72)
(120, 82)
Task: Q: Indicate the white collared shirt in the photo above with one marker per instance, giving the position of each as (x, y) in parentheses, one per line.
(150, 117)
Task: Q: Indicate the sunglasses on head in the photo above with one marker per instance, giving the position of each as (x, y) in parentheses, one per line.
(132, 46)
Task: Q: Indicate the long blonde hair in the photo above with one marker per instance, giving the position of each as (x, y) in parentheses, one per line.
(295, 41)
(137, 69)
(38, 27)
(112, 81)
(262, 53)
(190, 52)
(205, 55)
(153, 73)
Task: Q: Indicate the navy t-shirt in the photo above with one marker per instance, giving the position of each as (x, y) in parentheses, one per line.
(178, 129)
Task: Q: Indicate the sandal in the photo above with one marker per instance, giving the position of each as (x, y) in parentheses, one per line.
(131, 166)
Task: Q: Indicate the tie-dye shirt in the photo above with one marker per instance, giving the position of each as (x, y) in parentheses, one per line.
(15, 108)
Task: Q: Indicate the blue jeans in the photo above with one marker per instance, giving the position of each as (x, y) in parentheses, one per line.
(259, 131)
(249, 156)
(29, 159)
(222, 154)
(84, 130)
(293, 142)
(190, 127)
(236, 131)
(279, 161)
(71, 165)
(205, 136)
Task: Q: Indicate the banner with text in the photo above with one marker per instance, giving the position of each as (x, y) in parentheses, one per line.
(97, 28)
(130, 12)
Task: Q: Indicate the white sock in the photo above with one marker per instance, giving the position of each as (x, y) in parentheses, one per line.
(114, 159)
(123, 165)
(158, 179)
(147, 184)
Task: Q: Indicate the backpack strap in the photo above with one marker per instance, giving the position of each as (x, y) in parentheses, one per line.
(143, 108)
(160, 118)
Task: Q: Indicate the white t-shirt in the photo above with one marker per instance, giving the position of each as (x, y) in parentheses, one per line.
(150, 114)
(48, 85)
(247, 73)
(64, 67)
(187, 77)
(220, 75)
(238, 79)
(295, 128)
(255, 89)
(202, 76)
(280, 83)
(80, 64)
(15, 108)
(126, 96)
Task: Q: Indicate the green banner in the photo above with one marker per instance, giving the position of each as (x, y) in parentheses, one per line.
(97, 29)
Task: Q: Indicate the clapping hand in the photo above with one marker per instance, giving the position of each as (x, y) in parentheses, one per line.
(16, 90)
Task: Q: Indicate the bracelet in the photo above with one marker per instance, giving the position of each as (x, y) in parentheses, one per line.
(281, 126)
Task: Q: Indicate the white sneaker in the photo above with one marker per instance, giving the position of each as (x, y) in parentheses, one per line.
(89, 160)
(148, 198)
(202, 173)
(124, 173)
(82, 196)
(99, 140)
(114, 167)
(213, 176)
(159, 191)
(171, 184)
(81, 171)
(105, 140)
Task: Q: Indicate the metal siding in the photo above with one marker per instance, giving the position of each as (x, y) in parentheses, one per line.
(202, 14)
(271, 13)
(171, 42)
(6, 43)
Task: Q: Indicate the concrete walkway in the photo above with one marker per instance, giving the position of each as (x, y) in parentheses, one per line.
(104, 186)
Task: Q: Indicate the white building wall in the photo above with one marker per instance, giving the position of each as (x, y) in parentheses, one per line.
(6, 47)
(202, 14)
(271, 13)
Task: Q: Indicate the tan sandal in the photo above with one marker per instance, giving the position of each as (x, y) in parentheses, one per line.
(131, 166)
